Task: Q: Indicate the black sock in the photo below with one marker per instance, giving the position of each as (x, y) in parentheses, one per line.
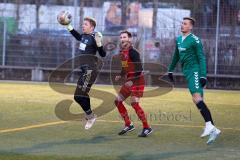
(204, 111)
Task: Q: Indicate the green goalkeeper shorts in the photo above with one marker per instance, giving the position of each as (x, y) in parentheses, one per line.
(193, 79)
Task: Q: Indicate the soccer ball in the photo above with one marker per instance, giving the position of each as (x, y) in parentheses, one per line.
(64, 18)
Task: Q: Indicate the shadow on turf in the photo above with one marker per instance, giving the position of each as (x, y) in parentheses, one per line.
(104, 139)
(17, 156)
(126, 156)
(164, 155)
(93, 140)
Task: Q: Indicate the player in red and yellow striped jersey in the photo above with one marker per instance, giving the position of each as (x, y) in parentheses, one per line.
(133, 85)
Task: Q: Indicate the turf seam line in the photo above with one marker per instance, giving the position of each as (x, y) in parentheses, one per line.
(101, 120)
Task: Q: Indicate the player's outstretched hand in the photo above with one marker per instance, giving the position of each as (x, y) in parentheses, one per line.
(98, 38)
(203, 81)
(69, 27)
(170, 76)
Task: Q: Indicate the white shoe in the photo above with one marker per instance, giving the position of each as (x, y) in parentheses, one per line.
(207, 131)
(90, 121)
(213, 135)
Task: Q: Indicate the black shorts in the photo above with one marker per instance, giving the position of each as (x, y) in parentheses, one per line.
(87, 77)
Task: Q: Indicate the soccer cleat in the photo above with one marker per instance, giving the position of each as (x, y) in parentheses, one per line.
(126, 129)
(213, 135)
(145, 132)
(207, 131)
(90, 120)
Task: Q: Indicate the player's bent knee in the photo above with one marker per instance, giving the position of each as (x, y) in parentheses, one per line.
(196, 98)
(120, 97)
(134, 99)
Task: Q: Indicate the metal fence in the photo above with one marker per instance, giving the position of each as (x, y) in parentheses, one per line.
(31, 37)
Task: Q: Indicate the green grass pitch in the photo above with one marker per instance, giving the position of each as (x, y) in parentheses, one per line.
(30, 130)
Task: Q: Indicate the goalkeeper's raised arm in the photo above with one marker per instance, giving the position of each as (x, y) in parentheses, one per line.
(90, 41)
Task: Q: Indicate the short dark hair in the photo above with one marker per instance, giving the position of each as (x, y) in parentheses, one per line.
(127, 32)
(91, 20)
(192, 20)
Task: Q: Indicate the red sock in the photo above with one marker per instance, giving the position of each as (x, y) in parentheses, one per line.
(141, 114)
(123, 112)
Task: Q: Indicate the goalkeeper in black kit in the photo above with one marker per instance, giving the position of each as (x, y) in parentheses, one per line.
(90, 44)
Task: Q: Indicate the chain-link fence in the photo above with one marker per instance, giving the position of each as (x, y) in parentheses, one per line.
(32, 39)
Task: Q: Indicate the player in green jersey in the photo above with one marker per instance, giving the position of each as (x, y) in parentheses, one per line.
(189, 52)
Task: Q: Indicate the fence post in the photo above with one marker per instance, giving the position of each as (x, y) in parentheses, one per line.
(216, 44)
(143, 48)
(4, 41)
(73, 40)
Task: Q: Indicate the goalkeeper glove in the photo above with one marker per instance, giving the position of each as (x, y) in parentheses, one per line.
(203, 81)
(98, 39)
(170, 76)
(69, 27)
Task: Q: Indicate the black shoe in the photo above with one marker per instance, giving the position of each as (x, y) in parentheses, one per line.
(145, 132)
(126, 129)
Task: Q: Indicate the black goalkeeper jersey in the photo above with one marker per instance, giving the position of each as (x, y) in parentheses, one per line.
(88, 44)
(89, 47)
